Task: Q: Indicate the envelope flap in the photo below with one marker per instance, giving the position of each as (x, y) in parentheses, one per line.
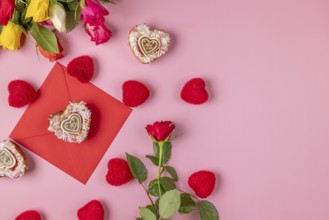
(34, 120)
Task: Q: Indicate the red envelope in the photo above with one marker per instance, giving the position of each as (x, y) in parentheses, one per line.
(58, 90)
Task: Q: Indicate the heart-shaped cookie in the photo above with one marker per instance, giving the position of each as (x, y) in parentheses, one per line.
(148, 45)
(12, 160)
(71, 125)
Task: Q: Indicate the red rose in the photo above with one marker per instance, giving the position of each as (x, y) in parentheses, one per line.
(52, 56)
(160, 130)
(99, 33)
(6, 11)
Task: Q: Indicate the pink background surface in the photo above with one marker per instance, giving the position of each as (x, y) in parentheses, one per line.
(264, 131)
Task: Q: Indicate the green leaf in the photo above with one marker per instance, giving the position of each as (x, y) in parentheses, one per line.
(208, 211)
(169, 204)
(153, 188)
(70, 6)
(172, 172)
(187, 204)
(45, 38)
(166, 151)
(153, 159)
(147, 214)
(157, 202)
(16, 16)
(153, 209)
(167, 183)
(137, 168)
(72, 20)
(108, 1)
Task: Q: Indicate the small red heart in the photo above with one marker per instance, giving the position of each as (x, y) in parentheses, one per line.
(194, 91)
(134, 93)
(21, 93)
(118, 173)
(29, 215)
(202, 182)
(91, 211)
(81, 68)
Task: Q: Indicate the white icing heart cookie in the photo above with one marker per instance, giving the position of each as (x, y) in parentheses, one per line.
(12, 160)
(71, 125)
(148, 45)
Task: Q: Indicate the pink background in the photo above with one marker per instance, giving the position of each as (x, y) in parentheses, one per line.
(264, 131)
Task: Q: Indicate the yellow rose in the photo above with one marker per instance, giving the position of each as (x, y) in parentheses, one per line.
(38, 10)
(10, 38)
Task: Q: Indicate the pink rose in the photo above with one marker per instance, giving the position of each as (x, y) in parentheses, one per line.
(93, 13)
(99, 33)
(6, 11)
(160, 130)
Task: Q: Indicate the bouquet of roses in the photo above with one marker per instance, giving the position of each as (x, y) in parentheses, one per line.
(43, 18)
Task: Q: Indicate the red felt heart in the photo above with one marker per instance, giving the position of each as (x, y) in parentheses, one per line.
(202, 182)
(21, 93)
(194, 91)
(134, 93)
(81, 68)
(118, 173)
(29, 215)
(91, 211)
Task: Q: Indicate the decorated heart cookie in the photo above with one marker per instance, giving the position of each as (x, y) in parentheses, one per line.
(71, 125)
(12, 160)
(148, 45)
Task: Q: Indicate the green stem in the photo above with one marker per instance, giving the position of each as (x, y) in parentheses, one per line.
(159, 167)
(162, 171)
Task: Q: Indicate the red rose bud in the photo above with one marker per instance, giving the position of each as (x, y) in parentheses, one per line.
(160, 131)
(52, 56)
(98, 33)
(6, 11)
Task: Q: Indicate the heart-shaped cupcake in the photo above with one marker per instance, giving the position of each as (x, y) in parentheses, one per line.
(12, 160)
(148, 45)
(71, 125)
